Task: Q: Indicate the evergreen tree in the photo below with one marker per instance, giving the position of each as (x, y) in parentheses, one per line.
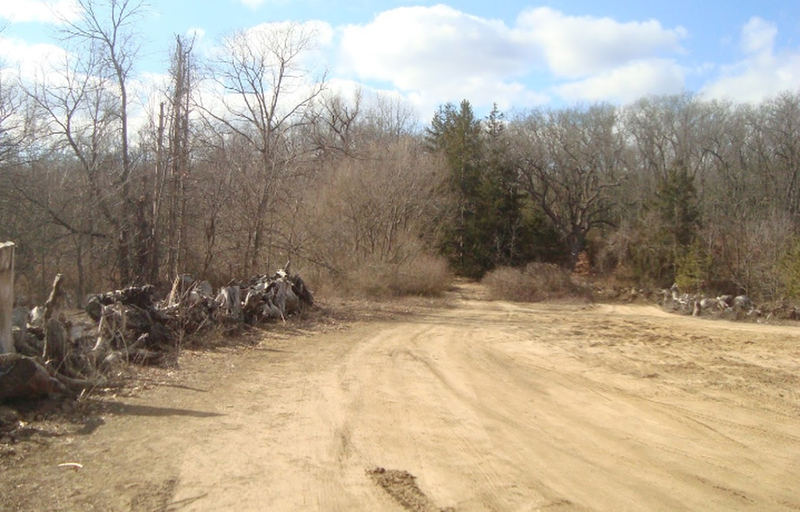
(510, 228)
(494, 224)
(676, 204)
(677, 217)
(456, 133)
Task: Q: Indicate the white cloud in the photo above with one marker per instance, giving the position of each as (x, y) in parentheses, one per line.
(30, 59)
(436, 54)
(758, 37)
(628, 82)
(413, 45)
(52, 11)
(576, 47)
(438, 50)
(762, 72)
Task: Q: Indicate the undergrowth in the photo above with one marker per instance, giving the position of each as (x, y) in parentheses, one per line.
(535, 283)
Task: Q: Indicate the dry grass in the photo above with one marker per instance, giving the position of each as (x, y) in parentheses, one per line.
(537, 282)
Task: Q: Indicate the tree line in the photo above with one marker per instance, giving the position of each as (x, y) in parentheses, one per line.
(669, 189)
(246, 158)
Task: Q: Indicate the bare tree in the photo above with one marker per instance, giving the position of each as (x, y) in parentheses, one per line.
(77, 115)
(388, 118)
(332, 124)
(173, 163)
(106, 34)
(569, 161)
(779, 154)
(265, 91)
(11, 121)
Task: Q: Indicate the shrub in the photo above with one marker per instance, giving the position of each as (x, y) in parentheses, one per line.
(423, 275)
(537, 282)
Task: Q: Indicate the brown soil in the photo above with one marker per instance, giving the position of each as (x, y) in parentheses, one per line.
(477, 406)
(402, 486)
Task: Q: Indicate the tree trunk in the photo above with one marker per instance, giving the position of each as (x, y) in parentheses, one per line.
(158, 195)
(577, 243)
(6, 296)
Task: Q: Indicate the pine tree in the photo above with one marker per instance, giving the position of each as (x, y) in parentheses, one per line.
(504, 218)
(676, 206)
(457, 134)
(493, 225)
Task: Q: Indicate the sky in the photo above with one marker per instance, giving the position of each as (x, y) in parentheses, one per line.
(516, 54)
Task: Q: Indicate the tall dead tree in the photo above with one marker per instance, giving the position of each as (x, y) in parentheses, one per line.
(179, 152)
(172, 164)
(105, 33)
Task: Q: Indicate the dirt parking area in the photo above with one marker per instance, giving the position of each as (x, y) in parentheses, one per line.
(477, 406)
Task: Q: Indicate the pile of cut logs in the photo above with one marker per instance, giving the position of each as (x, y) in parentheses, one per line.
(56, 354)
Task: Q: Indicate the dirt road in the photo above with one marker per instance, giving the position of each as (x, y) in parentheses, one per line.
(491, 406)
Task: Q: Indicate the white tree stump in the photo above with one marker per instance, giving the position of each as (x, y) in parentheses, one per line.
(6, 296)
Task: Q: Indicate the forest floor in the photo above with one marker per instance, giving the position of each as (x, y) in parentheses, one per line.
(468, 405)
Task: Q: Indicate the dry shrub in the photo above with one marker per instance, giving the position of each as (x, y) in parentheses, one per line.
(423, 275)
(537, 282)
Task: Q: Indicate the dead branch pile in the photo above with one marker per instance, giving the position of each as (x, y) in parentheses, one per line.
(135, 325)
(728, 306)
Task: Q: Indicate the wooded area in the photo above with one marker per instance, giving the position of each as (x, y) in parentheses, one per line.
(249, 157)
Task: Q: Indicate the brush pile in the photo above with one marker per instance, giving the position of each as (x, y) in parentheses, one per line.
(134, 325)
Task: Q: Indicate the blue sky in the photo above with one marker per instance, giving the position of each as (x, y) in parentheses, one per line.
(515, 53)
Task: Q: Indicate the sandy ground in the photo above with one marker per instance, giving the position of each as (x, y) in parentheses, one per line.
(482, 406)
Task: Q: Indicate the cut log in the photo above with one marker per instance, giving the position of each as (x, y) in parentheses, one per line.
(27, 344)
(131, 325)
(55, 302)
(302, 291)
(181, 287)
